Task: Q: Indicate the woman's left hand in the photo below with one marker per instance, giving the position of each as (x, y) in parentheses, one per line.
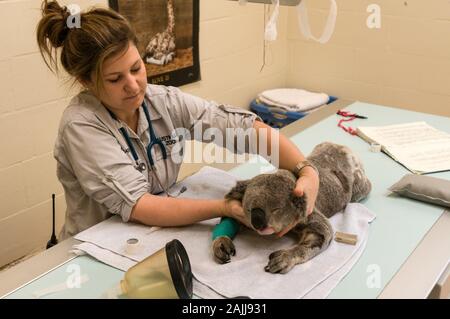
(308, 184)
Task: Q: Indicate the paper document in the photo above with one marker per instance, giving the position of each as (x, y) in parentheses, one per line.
(418, 146)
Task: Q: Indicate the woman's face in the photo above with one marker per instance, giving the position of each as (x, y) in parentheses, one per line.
(124, 81)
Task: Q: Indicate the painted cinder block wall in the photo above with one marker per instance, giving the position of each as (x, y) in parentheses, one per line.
(405, 63)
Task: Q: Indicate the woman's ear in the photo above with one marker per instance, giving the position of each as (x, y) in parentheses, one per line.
(85, 84)
(238, 191)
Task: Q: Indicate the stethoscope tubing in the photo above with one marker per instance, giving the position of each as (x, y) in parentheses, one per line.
(154, 140)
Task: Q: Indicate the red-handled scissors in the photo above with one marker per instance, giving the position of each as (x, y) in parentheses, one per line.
(349, 117)
(348, 114)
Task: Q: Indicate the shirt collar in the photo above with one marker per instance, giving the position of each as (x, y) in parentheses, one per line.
(142, 130)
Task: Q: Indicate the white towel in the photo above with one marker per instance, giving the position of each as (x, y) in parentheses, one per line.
(244, 275)
(294, 100)
(321, 291)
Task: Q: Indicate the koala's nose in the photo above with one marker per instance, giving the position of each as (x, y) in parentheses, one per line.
(258, 218)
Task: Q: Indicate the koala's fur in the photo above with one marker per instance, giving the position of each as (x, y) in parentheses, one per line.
(269, 203)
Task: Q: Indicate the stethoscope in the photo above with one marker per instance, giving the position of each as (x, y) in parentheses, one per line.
(154, 141)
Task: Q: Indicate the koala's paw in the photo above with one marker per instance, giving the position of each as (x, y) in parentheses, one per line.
(280, 261)
(223, 248)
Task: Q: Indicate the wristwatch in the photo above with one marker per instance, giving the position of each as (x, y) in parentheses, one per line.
(301, 166)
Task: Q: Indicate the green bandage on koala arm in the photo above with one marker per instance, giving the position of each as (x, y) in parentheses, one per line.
(227, 227)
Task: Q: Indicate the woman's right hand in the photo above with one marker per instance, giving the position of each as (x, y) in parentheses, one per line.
(233, 209)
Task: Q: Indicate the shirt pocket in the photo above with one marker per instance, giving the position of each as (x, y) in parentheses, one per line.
(167, 170)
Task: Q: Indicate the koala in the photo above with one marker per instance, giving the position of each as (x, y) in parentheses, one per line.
(270, 205)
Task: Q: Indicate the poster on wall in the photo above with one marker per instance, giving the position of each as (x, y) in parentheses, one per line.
(167, 32)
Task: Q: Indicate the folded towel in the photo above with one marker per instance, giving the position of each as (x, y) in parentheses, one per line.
(244, 275)
(294, 100)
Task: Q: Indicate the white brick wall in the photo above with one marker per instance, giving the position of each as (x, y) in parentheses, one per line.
(32, 100)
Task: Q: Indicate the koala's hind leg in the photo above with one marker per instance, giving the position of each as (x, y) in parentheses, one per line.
(314, 237)
(361, 186)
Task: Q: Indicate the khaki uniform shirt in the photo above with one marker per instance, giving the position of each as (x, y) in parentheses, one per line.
(95, 165)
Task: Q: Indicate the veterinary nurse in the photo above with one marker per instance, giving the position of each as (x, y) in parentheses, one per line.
(104, 133)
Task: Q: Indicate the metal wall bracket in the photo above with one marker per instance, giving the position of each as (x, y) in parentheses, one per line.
(282, 2)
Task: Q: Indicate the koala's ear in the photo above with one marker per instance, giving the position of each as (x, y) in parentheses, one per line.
(299, 202)
(238, 191)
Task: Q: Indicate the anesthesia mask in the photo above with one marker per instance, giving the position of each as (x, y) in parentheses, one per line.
(164, 275)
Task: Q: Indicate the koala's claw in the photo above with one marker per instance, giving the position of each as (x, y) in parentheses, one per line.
(223, 248)
(280, 261)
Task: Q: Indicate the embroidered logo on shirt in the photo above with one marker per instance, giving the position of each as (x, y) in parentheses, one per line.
(168, 140)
